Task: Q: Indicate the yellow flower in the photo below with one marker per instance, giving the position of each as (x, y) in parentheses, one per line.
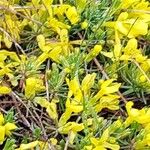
(14, 29)
(28, 146)
(128, 3)
(87, 83)
(93, 53)
(42, 44)
(74, 89)
(84, 25)
(5, 129)
(107, 87)
(2, 136)
(41, 145)
(70, 108)
(4, 90)
(102, 143)
(141, 116)
(53, 50)
(142, 78)
(72, 15)
(1, 119)
(110, 101)
(75, 104)
(55, 53)
(65, 117)
(106, 97)
(141, 10)
(143, 139)
(60, 11)
(56, 25)
(51, 107)
(81, 4)
(9, 127)
(13, 56)
(127, 53)
(71, 128)
(33, 86)
(130, 27)
(53, 141)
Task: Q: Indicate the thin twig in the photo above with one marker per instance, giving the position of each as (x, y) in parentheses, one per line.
(67, 143)
(143, 72)
(13, 40)
(20, 100)
(137, 11)
(21, 15)
(46, 81)
(25, 121)
(45, 135)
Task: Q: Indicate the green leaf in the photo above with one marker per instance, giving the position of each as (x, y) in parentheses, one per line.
(10, 144)
(9, 117)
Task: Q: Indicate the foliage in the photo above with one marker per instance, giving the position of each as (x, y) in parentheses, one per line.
(71, 73)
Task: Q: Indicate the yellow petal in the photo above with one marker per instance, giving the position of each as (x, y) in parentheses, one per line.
(4, 90)
(71, 126)
(123, 16)
(129, 106)
(51, 107)
(75, 108)
(1, 119)
(52, 110)
(131, 45)
(84, 25)
(2, 134)
(112, 146)
(42, 43)
(47, 4)
(134, 28)
(72, 136)
(54, 54)
(108, 54)
(127, 3)
(41, 59)
(64, 36)
(9, 127)
(94, 141)
(53, 141)
(88, 147)
(117, 51)
(81, 4)
(122, 28)
(104, 136)
(112, 89)
(7, 42)
(28, 146)
(64, 117)
(106, 83)
(74, 89)
(88, 82)
(33, 86)
(111, 102)
(72, 15)
(42, 101)
(99, 148)
(12, 55)
(93, 53)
